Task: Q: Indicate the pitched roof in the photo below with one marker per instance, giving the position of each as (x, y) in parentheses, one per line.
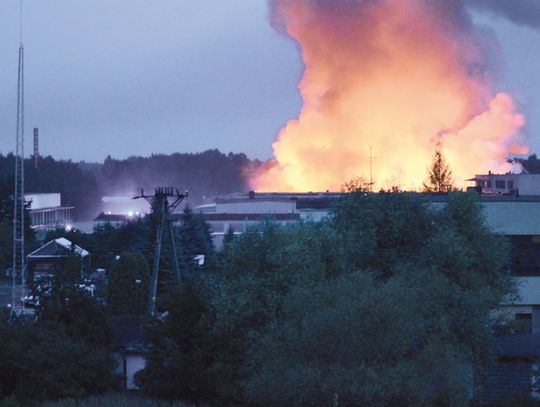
(60, 247)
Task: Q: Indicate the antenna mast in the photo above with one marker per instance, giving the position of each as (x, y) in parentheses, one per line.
(371, 157)
(18, 195)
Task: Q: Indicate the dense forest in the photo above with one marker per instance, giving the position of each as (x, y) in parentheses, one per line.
(83, 184)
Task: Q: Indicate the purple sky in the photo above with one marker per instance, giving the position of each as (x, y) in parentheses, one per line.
(135, 77)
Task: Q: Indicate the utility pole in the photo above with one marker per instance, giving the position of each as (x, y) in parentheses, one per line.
(18, 269)
(159, 202)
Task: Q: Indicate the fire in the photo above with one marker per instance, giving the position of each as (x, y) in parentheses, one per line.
(396, 76)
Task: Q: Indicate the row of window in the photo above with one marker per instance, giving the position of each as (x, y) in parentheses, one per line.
(51, 217)
(499, 184)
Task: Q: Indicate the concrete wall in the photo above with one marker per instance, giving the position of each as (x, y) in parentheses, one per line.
(134, 363)
(528, 184)
(40, 201)
(513, 217)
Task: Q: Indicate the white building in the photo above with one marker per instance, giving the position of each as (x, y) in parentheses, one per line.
(508, 184)
(47, 212)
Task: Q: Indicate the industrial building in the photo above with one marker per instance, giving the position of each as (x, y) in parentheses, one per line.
(47, 212)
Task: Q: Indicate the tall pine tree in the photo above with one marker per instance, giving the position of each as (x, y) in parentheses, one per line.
(439, 175)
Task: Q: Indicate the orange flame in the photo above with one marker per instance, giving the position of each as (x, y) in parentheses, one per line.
(396, 76)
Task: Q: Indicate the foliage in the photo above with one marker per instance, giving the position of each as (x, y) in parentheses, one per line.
(128, 285)
(65, 306)
(181, 351)
(381, 230)
(361, 341)
(399, 327)
(531, 164)
(257, 271)
(66, 351)
(202, 174)
(383, 304)
(439, 175)
(78, 189)
(194, 239)
(6, 224)
(109, 242)
(41, 363)
(357, 184)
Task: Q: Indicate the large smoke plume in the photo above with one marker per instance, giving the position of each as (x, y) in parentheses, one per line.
(397, 76)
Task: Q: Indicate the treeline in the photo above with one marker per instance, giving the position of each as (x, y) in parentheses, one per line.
(83, 184)
(381, 305)
(78, 188)
(531, 164)
(202, 174)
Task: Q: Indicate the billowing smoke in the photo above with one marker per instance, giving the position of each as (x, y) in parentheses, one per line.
(397, 76)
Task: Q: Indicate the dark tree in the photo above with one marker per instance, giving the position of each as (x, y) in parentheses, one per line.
(128, 285)
(70, 308)
(439, 175)
(181, 348)
(39, 362)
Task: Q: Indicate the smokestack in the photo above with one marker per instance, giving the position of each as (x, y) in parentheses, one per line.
(36, 146)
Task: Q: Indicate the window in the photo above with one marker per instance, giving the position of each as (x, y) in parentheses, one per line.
(525, 255)
(500, 184)
(488, 183)
(510, 184)
(525, 318)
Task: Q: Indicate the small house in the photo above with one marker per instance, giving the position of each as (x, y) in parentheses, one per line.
(43, 262)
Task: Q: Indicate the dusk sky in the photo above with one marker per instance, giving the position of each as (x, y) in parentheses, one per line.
(136, 77)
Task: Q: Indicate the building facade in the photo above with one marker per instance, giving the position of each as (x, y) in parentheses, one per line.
(47, 212)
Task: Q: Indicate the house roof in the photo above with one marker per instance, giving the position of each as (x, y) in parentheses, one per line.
(60, 247)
